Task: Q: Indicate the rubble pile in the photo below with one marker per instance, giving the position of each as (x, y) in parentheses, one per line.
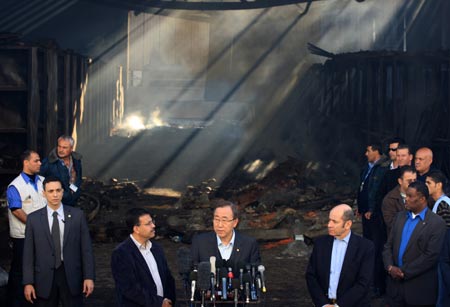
(290, 202)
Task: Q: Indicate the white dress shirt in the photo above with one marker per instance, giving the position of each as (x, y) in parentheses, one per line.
(337, 259)
(146, 252)
(225, 250)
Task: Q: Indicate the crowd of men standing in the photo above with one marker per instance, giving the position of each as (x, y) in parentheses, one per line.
(406, 214)
(403, 254)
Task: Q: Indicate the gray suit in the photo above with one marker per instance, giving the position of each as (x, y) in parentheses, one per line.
(419, 285)
(39, 258)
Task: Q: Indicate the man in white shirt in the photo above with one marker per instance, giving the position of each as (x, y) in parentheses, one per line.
(24, 195)
(139, 266)
(340, 270)
(58, 262)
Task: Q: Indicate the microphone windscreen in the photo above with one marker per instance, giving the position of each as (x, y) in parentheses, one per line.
(193, 276)
(212, 261)
(184, 260)
(204, 273)
(235, 283)
(261, 268)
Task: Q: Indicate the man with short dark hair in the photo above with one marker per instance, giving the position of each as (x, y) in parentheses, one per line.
(369, 207)
(139, 266)
(392, 151)
(340, 268)
(394, 201)
(389, 181)
(58, 262)
(64, 163)
(24, 196)
(411, 253)
(436, 182)
(225, 243)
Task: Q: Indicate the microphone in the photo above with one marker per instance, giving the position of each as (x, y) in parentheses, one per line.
(193, 277)
(261, 270)
(235, 285)
(241, 266)
(253, 287)
(212, 262)
(230, 276)
(247, 280)
(223, 278)
(204, 281)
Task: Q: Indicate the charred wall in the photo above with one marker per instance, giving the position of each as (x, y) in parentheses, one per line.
(40, 96)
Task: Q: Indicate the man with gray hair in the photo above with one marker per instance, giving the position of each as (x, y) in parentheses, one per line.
(65, 164)
(340, 269)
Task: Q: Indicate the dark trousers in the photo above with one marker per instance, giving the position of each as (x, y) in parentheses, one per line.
(375, 231)
(60, 292)
(15, 287)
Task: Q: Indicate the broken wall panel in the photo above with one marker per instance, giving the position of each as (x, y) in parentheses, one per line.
(33, 100)
(395, 94)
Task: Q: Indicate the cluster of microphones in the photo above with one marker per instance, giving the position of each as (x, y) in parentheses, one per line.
(215, 281)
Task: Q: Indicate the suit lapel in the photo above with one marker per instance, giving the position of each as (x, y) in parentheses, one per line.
(235, 253)
(352, 248)
(139, 258)
(67, 223)
(46, 226)
(327, 258)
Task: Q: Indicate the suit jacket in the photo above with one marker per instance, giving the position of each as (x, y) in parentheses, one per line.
(134, 282)
(39, 257)
(245, 250)
(392, 204)
(444, 267)
(368, 196)
(420, 259)
(356, 274)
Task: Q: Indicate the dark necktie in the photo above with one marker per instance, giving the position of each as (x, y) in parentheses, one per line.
(56, 239)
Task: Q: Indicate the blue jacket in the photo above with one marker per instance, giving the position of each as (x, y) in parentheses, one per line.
(53, 166)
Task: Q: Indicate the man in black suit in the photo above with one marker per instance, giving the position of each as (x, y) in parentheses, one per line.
(139, 266)
(340, 269)
(225, 243)
(411, 253)
(58, 262)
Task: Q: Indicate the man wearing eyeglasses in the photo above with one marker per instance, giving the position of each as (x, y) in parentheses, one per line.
(139, 266)
(392, 151)
(226, 244)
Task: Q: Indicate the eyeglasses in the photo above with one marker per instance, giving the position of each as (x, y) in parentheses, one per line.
(152, 221)
(223, 221)
(392, 149)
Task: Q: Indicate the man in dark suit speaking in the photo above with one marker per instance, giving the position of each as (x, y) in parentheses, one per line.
(340, 269)
(58, 263)
(225, 243)
(412, 251)
(139, 266)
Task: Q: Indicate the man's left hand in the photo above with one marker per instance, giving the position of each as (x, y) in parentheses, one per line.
(88, 287)
(367, 215)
